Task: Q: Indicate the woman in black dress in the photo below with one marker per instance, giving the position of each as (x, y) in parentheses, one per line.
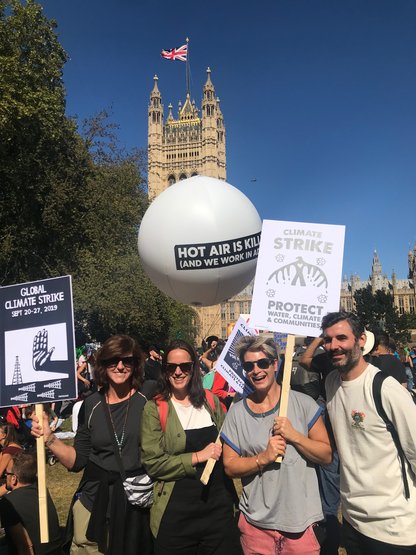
(180, 428)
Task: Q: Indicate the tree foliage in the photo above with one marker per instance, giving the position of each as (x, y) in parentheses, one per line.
(379, 314)
(71, 203)
(43, 161)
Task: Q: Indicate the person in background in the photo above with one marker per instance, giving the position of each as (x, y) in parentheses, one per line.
(9, 447)
(101, 520)
(83, 376)
(280, 505)
(383, 359)
(153, 363)
(187, 518)
(19, 510)
(406, 360)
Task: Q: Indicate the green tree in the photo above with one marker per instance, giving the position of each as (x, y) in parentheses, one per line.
(378, 313)
(71, 204)
(112, 292)
(43, 161)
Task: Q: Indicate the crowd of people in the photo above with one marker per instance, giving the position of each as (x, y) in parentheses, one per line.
(147, 426)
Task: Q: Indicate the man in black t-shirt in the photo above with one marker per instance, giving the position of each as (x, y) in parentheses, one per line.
(386, 361)
(19, 510)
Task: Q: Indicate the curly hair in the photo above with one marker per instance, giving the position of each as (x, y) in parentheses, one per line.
(195, 390)
(119, 346)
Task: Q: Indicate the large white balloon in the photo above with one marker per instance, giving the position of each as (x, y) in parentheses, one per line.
(199, 240)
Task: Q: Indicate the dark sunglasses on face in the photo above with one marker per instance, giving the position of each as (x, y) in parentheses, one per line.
(128, 362)
(185, 367)
(262, 363)
(10, 473)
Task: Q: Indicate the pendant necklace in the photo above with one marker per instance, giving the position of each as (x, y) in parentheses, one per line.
(123, 430)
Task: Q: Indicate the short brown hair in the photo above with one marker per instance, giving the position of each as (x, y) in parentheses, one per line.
(24, 467)
(257, 343)
(119, 346)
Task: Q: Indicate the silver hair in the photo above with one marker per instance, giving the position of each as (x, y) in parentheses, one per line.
(255, 343)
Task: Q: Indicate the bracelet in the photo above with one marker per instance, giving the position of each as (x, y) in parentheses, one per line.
(51, 438)
(259, 466)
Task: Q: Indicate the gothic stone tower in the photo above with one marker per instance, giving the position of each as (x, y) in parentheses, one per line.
(191, 145)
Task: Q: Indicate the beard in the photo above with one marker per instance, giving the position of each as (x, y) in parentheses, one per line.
(352, 356)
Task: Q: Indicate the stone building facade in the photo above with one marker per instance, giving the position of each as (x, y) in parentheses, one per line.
(403, 290)
(192, 144)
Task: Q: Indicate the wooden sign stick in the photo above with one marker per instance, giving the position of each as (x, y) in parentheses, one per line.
(43, 500)
(209, 466)
(287, 371)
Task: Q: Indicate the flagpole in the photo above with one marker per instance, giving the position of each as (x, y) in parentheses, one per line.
(187, 68)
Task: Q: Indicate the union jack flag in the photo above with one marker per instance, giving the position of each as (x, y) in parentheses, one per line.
(176, 53)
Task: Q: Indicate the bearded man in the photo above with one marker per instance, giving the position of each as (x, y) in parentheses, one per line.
(379, 513)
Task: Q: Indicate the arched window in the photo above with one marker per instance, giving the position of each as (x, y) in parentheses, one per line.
(194, 174)
(182, 176)
(171, 180)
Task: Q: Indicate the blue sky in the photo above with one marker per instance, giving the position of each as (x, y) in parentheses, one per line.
(318, 98)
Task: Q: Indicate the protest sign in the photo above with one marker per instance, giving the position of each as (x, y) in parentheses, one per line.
(37, 346)
(298, 276)
(228, 364)
(280, 340)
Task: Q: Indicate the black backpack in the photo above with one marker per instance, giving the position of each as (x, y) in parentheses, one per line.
(377, 383)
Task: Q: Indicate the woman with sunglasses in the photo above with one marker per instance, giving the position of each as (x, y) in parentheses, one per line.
(101, 520)
(187, 518)
(280, 504)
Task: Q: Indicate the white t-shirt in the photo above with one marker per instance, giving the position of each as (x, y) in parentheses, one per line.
(372, 491)
(192, 418)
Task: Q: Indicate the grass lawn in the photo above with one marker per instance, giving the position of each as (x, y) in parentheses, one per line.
(62, 485)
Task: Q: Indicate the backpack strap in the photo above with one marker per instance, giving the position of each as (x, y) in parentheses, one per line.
(210, 399)
(162, 407)
(377, 383)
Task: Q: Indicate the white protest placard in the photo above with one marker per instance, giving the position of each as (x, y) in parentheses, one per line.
(228, 364)
(298, 276)
(37, 345)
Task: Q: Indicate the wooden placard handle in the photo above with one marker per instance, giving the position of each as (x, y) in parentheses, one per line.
(209, 466)
(287, 372)
(43, 500)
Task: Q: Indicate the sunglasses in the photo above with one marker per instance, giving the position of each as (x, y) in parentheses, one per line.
(10, 474)
(186, 367)
(128, 362)
(262, 363)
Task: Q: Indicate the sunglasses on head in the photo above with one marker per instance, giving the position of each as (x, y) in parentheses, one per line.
(128, 362)
(185, 367)
(262, 363)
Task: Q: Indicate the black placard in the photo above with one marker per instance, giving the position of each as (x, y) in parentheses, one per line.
(37, 346)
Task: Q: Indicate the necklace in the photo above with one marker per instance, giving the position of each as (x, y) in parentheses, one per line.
(123, 430)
